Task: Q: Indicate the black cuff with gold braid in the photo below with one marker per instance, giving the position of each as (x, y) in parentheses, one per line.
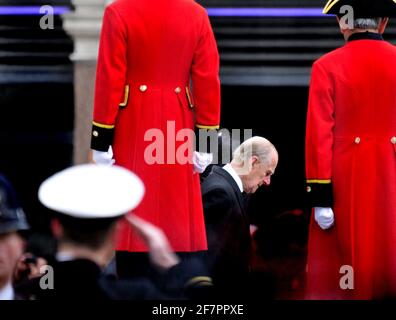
(203, 136)
(199, 281)
(320, 193)
(102, 136)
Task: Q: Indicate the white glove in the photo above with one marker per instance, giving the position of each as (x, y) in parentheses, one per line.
(102, 157)
(324, 217)
(201, 161)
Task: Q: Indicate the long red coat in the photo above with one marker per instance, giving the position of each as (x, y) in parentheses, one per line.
(351, 152)
(150, 53)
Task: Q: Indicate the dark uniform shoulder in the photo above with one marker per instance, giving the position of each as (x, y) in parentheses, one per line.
(137, 289)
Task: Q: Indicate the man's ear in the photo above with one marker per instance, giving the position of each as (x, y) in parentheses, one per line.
(382, 25)
(254, 160)
(342, 30)
(56, 228)
(113, 232)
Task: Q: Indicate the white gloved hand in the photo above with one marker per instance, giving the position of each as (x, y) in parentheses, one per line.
(324, 217)
(102, 157)
(201, 161)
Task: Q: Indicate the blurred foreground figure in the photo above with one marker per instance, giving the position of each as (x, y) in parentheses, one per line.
(351, 159)
(12, 220)
(87, 202)
(227, 222)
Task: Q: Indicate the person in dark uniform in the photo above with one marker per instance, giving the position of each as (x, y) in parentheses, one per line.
(86, 211)
(12, 220)
(227, 223)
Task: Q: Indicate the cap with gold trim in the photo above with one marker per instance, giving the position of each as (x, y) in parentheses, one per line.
(92, 191)
(363, 8)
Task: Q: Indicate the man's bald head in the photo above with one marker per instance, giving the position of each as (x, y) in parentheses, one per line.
(255, 161)
(257, 146)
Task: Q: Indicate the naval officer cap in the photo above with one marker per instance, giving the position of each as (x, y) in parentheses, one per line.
(363, 8)
(12, 216)
(92, 191)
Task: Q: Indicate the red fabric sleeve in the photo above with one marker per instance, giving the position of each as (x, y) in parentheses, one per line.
(111, 69)
(205, 78)
(320, 125)
(319, 139)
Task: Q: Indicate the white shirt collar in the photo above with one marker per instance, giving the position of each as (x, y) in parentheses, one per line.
(234, 175)
(7, 293)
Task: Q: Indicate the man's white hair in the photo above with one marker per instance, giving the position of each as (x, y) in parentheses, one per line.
(367, 23)
(255, 146)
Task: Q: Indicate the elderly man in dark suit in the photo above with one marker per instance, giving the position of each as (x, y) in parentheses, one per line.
(227, 224)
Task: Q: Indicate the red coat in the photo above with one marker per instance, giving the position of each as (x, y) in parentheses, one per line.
(351, 153)
(149, 53)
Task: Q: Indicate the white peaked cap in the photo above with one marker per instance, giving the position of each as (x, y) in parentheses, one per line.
(92, 191)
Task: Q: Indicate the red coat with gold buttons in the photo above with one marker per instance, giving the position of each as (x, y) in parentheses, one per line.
(351, 166)
(158, 73)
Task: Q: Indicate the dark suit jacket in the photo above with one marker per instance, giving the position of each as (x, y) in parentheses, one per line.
(227, 228)
(82, 280)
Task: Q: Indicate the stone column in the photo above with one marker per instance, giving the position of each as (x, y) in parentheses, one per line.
(84, 25)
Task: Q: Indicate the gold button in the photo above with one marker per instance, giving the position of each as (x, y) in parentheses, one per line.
(178, 90)
(393, 140)
(309, 189)
(143, 88)
(95, 133)
(357, 140)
